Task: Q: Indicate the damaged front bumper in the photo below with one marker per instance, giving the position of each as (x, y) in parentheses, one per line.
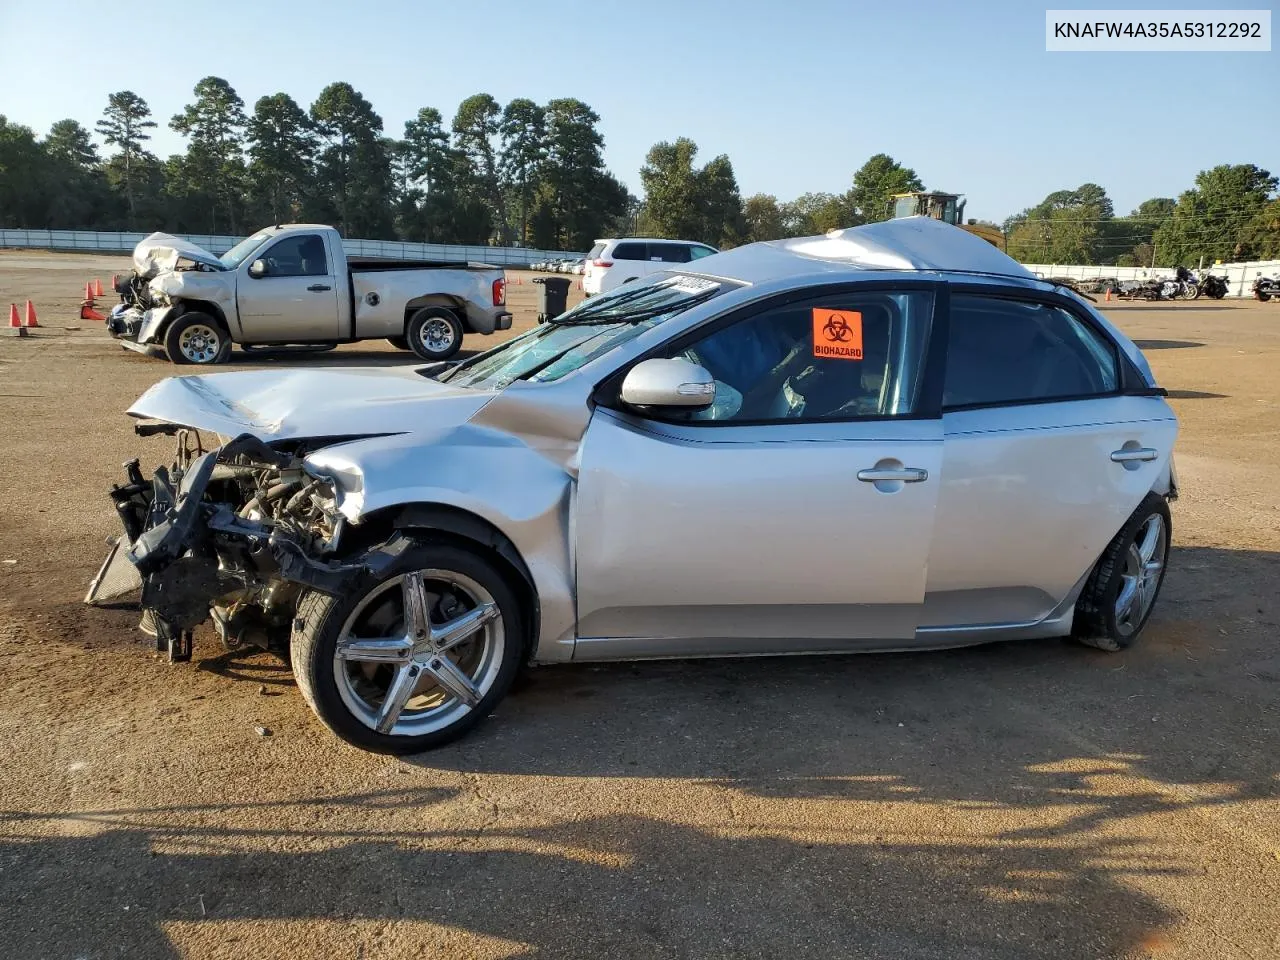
(233, 535)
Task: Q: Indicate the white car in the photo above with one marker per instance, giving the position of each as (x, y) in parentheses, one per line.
(612, 263)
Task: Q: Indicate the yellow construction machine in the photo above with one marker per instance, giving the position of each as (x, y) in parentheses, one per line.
(947, 207)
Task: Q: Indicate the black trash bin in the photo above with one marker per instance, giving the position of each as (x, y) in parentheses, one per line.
(553, 297)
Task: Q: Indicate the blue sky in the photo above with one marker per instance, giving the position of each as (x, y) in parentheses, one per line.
(798, 93)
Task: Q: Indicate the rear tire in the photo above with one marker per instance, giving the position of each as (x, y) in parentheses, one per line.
(350, 693)
(434, 333)
(197, 338)
(1122, 589)
(1264, 297)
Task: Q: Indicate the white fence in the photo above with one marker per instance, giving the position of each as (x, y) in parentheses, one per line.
(91, 241)
(1240, 276)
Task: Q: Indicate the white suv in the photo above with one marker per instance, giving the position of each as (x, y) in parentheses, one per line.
(612, 263)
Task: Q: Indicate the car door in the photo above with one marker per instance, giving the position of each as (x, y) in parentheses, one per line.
(793, 515)
(295, 298)
(1051, 441)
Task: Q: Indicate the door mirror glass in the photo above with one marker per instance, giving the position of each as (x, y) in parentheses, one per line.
(258, 268)
(668, 383)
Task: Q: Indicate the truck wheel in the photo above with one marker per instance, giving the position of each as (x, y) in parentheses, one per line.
(434, 333)
(413, 657)
(400, 343)
(197, 338)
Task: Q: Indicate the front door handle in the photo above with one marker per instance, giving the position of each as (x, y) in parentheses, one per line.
(318, 287)
(1134, 453)
(904, 474)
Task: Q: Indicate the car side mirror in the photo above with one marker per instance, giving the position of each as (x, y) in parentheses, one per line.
(258, 269)
(668, 383)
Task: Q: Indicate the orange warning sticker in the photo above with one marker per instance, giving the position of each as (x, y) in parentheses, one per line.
(837, 334)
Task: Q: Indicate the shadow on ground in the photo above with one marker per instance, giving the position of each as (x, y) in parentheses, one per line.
(997, 829)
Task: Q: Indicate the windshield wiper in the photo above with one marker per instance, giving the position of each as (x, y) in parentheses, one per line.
(607, 315)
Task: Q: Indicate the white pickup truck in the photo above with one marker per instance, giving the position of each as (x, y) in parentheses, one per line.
(294, 286)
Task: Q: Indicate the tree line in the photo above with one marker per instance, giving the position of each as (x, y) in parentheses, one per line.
(520, 173)
(1232, 213)
(530, 174)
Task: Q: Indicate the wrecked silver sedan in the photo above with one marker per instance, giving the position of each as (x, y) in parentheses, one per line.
(891, 437)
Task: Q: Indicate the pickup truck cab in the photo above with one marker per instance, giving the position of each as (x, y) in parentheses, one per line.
(294, 285)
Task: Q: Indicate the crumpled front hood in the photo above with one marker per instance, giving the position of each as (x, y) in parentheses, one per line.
(161, 252)
(298, 404)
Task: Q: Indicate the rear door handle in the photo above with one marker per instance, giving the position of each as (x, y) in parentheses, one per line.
(1135, 453)
(318, 287)
(905, 474)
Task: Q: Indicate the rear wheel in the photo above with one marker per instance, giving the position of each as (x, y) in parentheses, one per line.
(434, 333)
(414, 658)
(1121, 592)
(197, 338)
(1264, 297)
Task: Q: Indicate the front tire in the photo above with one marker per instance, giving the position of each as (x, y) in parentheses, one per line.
(1121, 592)
(434, 333)
(197, 338)
(413, 659)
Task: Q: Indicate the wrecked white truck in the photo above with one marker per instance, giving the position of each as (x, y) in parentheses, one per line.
(293, 287)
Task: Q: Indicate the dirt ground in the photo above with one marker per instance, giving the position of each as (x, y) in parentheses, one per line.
(1013, 801)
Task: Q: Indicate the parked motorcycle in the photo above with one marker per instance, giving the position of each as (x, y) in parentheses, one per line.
(1183, 286)
(1264, 288)
(1213, 287)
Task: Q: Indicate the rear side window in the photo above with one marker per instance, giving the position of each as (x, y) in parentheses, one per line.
(630, 251)
(669, 252)
(1009, 351)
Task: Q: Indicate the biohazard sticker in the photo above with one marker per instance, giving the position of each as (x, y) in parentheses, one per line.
(837, 334)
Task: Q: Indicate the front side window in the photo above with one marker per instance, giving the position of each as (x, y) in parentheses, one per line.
(843, 357)
(299, 256)
(697, 253)
(1010, 351)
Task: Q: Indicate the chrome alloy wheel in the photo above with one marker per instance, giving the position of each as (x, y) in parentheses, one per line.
(437, 335)
(419, 652)
(200, 343)
(1143, 565)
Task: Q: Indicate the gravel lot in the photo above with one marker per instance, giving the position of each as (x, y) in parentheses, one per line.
(1012, 801)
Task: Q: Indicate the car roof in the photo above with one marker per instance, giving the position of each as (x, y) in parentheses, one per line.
(909, 245)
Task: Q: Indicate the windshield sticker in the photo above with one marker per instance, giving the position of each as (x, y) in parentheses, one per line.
(687, 284)
(837, 334)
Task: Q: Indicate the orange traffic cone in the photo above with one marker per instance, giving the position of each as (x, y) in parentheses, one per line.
(97, 288)
(88, 290)
(1108, 298)
(15, 328)
(88, 313)
(31, 315)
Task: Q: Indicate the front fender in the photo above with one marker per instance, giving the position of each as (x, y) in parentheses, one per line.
(492, 475)
(153, 323)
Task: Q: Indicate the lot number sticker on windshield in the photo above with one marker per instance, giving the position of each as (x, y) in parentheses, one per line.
(837, 334)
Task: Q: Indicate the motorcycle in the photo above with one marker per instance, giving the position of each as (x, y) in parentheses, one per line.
(1264, 288)
(1213, 287)
(1182, 286)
